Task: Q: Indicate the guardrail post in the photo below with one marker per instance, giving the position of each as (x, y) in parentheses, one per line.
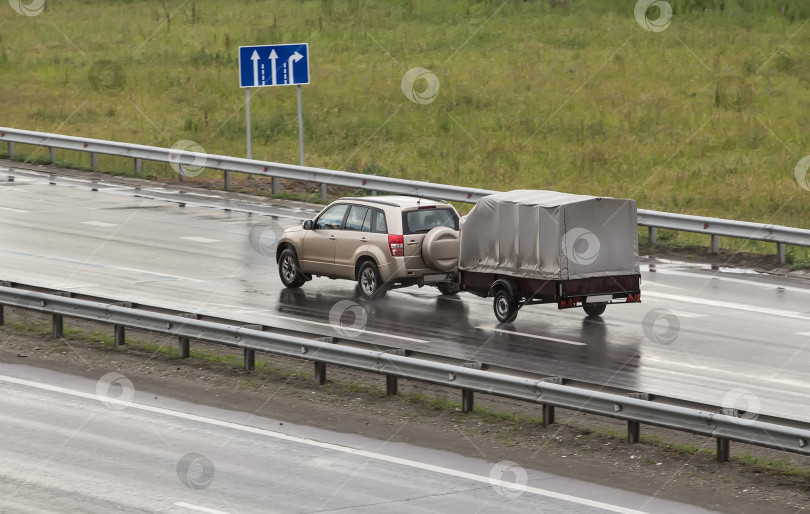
(391, 381)
(120, 335)
(10, 149)
(548, 414)
(274, 182)
(183, 347)
(634, 427)
(137, 166)
(320, 373)
(653, 235)
(227, 180)
(250, 359)
(52, 154)
(467, 400)
(324, 195)
(58, 326)
(723, 449)
(93, 161)
(780, 252)
(715, 243)
(181, 172)
(633, 432)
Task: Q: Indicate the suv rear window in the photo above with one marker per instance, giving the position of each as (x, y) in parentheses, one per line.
(423, 220)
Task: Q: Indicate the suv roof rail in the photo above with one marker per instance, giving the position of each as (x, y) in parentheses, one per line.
(423, 196)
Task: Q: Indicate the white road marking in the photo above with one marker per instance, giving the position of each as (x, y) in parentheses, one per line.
(544, 338)
(155, 273)
(200, 239)
(371, 332)
(728, 305)
(803, 333)
(730, 279)
(684, 314)
(198, 508)
(12, 210)
(330, 446)
(99, 223)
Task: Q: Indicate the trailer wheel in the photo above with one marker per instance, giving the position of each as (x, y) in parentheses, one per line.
(594, 309)
(505, 306)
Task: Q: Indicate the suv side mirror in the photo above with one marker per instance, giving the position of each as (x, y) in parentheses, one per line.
(308, 225)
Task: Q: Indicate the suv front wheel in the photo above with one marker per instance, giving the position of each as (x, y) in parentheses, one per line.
(369, 282)
(289, 271)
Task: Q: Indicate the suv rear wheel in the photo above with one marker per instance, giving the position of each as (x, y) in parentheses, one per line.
(289, 271)
(448, 288)
(369, 282)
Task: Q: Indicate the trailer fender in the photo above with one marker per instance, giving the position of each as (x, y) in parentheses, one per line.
(508, 285)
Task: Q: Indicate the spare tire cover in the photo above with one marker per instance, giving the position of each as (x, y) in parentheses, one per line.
(440, 249)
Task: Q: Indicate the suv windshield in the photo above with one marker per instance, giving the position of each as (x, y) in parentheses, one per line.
(423, 220)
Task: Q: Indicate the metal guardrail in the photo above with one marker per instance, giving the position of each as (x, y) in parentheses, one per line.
(714, 227)
(635, 408)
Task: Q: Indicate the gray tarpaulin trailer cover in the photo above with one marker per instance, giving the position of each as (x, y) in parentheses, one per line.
(550, 235)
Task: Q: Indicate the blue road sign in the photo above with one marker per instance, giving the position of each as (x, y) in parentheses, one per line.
(273, 65)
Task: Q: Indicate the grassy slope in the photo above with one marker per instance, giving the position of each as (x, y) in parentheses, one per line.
(574, 97)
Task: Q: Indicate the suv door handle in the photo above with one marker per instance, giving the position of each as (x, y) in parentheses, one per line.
(412, 243)
(363, 240)
(332, 237)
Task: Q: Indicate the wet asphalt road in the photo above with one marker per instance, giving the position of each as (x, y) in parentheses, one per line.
(114, 449)
(712, 336)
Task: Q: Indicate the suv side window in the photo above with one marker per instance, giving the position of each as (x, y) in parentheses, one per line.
(356, 217)
(332, 218)
(378, 223)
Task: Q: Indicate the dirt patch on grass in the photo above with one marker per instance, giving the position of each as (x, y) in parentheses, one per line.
(665, 464)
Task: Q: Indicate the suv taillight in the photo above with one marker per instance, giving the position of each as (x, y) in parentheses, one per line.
(397, 245)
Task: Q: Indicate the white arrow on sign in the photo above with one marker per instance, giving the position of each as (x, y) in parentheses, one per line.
(293, 58)
(255, 59)
(273, 57)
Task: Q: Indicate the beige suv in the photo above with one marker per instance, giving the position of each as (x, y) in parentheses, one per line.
(381, 242)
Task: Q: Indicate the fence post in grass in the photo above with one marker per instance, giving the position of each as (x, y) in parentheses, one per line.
(58, 326)
(320, 373)
(391, 382)
(183, 347)
(120, 335)
(467, 400)
(548, 414)
(723, 449)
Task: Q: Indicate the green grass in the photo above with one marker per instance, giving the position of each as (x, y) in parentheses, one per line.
(706, 117)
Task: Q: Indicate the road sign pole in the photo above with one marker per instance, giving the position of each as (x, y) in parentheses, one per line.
(247, 123)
